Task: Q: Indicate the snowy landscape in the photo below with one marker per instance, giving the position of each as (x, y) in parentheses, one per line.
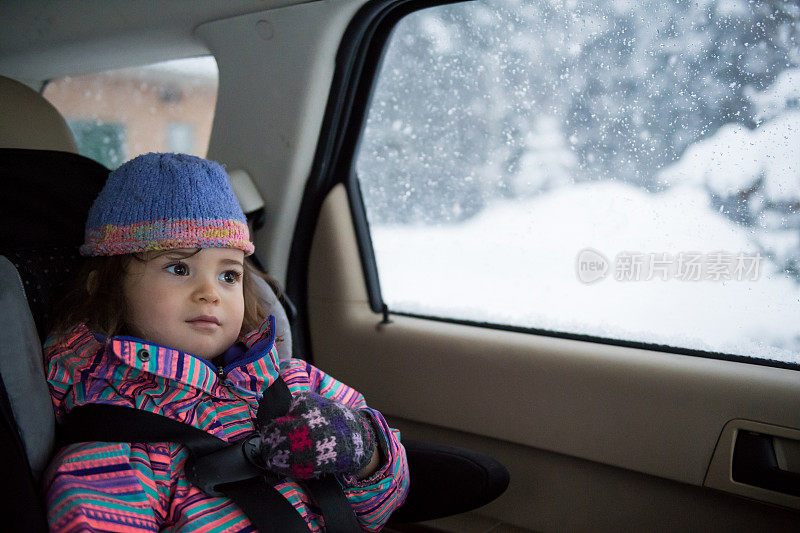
(620, 127)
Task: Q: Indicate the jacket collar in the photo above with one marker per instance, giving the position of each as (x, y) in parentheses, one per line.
(251, 364)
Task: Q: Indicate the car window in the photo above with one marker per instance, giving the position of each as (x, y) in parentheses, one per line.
(118, 114)
(624, 170)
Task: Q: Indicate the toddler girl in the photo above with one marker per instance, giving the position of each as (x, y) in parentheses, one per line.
(168, 322)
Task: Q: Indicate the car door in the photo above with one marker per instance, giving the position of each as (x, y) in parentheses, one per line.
(547, 239)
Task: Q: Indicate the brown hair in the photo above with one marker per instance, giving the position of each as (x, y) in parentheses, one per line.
(104, 309)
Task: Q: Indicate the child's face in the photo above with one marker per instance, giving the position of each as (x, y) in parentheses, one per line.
(189, 302)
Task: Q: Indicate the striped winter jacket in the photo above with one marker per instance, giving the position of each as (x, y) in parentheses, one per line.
(96, 486)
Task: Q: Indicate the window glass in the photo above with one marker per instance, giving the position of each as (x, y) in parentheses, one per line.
(119, 114)
(623, 169)
(101, 141)
(180, 138)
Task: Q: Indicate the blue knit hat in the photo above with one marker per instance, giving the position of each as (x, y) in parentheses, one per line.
(166, 201)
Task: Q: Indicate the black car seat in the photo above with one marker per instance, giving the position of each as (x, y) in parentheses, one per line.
(47, 193)
(27, 435)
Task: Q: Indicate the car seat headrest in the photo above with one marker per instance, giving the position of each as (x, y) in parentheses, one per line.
(46, 197)
(30, 121)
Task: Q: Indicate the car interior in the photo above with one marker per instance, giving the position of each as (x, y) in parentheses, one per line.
(510, 427)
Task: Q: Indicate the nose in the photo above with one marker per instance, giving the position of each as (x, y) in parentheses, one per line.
(206, 290)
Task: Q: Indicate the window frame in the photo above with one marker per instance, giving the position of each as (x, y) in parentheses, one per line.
(359, 61)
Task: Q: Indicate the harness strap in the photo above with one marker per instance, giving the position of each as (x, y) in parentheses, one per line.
(327, 492)
(333, 504)
(225, 470)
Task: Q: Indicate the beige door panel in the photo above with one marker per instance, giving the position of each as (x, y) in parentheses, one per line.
(554, 492)
(649, 412)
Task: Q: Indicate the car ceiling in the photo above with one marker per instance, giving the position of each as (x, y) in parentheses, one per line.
(46, 39)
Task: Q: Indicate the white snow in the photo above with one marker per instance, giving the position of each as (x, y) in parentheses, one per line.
(735, 157)
(784, 92)
(597, 68)
(202, 67)
(515, 263)
(547, 161)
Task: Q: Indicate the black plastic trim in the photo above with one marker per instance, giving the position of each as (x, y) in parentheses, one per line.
(755, 463)
(366, 251)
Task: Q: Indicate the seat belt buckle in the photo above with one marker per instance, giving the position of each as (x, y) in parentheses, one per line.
(238, 461)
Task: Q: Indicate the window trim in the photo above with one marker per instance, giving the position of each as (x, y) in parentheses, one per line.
(654, 347)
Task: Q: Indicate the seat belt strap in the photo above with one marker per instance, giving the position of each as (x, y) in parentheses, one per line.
(275, 403)
(334, 506)
(249, 487)
(266, 508)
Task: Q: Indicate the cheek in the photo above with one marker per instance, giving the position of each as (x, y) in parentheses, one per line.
(147, 307)
(235, 313)
(238, 307)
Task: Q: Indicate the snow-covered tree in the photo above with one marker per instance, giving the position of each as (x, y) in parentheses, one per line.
(469, 92)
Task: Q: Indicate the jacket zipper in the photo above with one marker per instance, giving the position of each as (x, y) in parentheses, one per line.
(219, 371)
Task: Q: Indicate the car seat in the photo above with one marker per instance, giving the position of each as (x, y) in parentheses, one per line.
(48, 191)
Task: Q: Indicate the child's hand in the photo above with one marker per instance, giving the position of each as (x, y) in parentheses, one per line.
(318, 436)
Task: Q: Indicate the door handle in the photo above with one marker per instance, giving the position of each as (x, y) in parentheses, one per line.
(755, 463)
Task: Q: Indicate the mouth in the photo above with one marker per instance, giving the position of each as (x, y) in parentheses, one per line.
(205, 321)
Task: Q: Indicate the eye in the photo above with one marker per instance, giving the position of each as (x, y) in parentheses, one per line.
(179, 269)
(230, 276)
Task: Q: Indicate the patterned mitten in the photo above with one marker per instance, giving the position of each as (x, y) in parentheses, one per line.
(318, 436)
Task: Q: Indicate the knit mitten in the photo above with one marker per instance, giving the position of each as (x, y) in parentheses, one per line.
(318, 436)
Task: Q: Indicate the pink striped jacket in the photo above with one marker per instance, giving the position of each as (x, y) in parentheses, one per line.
(96, 486)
